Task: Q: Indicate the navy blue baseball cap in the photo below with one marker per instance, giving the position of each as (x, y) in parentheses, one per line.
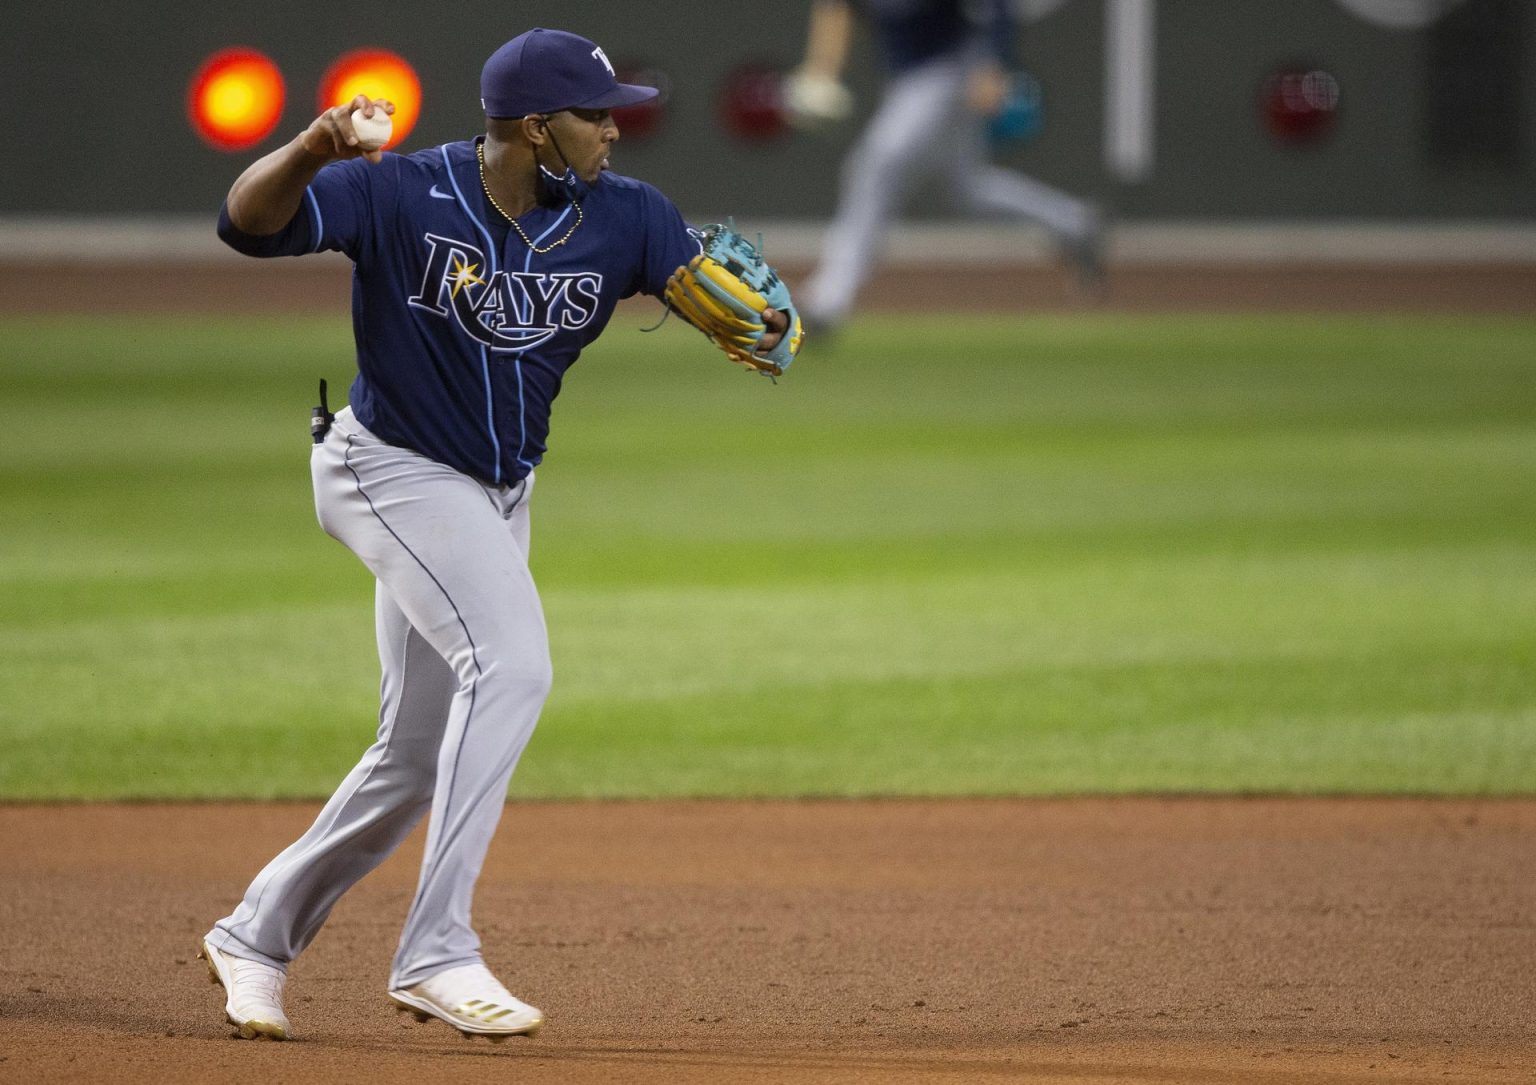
(545, 71)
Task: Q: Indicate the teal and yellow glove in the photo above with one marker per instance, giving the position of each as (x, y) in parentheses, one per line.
(723, 292)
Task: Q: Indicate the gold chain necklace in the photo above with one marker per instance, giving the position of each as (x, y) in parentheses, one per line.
(480, 153)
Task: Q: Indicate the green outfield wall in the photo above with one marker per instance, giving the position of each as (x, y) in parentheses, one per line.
(1432, 122)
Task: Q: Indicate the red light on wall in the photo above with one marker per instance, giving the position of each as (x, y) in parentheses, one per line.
(1300, 104)
(235, 99)
(641, 122)
(751, 103)
(375, 73)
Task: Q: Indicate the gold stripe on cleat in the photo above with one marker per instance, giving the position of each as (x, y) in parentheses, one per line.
(256, 1030)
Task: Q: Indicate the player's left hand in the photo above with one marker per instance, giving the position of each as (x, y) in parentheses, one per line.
(778, 324)
(732, 295)
(987, 90)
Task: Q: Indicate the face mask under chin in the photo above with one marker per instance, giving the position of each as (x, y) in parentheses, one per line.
(556, 189)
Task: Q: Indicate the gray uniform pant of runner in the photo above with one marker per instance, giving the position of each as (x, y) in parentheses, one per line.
(922, 129)
(466, 670)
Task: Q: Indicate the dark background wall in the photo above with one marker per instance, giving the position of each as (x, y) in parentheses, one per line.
(1434, 123)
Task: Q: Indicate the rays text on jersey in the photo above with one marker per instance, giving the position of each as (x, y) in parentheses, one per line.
(505, 310)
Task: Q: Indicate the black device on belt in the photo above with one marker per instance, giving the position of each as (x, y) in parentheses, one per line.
(320, 418)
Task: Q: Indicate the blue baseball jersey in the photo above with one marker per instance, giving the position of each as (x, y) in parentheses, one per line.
(464, 333)
(913, 32)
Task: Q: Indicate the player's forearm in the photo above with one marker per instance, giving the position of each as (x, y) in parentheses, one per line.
(828, 37)
(266, 196)
(995, 20)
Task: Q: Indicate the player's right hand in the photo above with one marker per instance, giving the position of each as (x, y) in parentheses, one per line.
(330, 135)
(811, 98)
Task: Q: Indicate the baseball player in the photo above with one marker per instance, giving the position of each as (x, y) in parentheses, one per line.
(947, 75)
(482, 269)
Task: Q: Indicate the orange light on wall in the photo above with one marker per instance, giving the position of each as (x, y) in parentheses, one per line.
(235, 99)
(375, 73)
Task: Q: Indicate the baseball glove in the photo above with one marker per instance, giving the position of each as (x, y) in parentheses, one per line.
(723, 292)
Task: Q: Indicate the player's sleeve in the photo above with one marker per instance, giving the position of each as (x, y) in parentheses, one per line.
(994, 19)
(668, 244)
(334, 214)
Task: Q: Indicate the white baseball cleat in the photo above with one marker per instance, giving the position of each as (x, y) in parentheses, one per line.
(255, 994)
(471, 1000)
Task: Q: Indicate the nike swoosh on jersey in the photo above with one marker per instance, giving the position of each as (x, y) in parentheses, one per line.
(437, 193)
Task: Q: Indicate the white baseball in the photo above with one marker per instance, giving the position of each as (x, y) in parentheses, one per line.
(372, 132)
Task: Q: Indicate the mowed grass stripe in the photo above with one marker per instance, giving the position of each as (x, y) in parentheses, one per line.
(950, 556)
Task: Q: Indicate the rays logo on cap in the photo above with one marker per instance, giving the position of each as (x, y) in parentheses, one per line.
(545, 71)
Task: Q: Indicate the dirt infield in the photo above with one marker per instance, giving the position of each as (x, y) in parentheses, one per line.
(1127, 941)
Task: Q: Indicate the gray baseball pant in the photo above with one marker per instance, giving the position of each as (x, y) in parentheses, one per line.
(923, 128)
(466, 669)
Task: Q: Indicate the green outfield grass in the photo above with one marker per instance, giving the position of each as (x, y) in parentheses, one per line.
(946, 556)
